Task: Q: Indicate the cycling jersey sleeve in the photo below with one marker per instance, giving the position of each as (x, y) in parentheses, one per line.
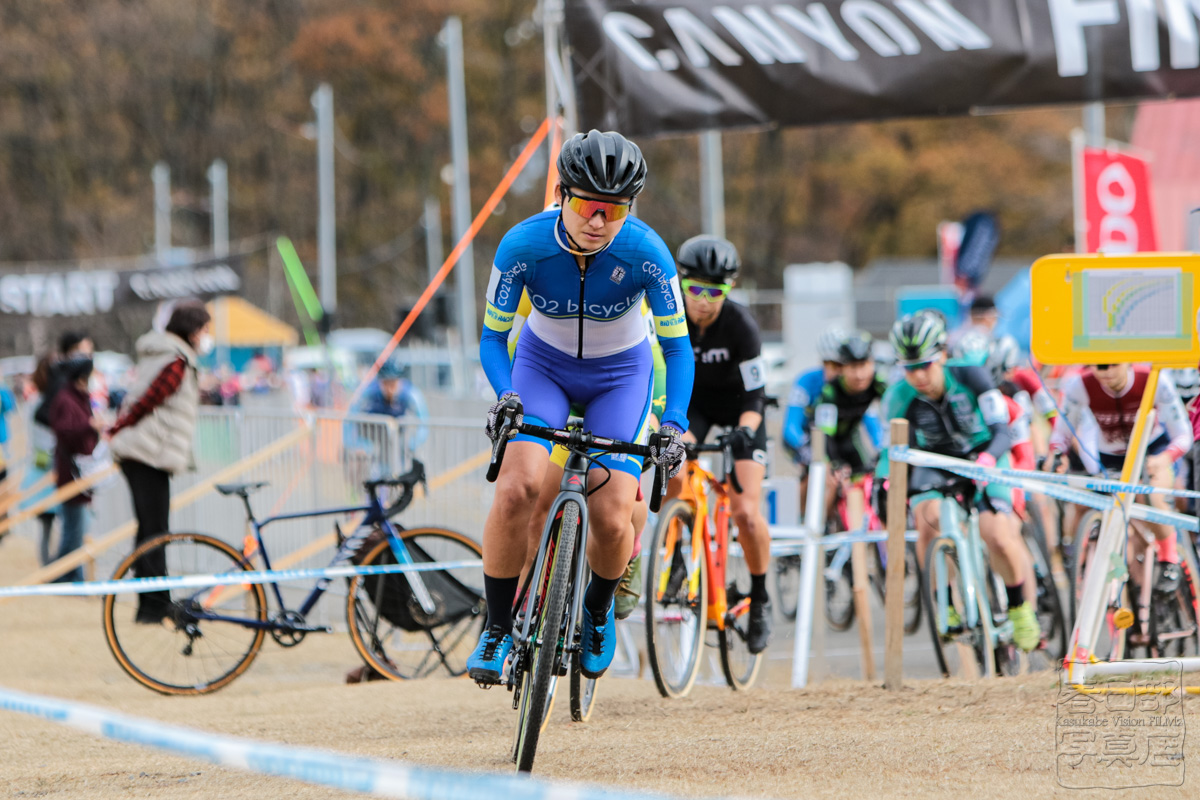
(519, 321)
(666, 303)
(873, 427)
(871, 422)
(993, 406)
(1173, 417)
(503, 298)
(1075, 402)
(896, 404)
(795, 424)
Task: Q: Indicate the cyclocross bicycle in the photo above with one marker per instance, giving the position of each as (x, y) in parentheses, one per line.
(696, 581)
(404, 625)
(1165, 620)
(839, 574)
(961, 598)
(546, 638)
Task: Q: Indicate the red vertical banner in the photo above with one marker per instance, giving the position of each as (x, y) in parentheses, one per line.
(1117, 202)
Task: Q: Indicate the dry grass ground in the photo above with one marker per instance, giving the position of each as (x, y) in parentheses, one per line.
(841, 738)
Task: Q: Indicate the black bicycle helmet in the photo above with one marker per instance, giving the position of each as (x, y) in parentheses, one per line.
(604, 163)
(855, 348)
(918, 337)
(708, 258)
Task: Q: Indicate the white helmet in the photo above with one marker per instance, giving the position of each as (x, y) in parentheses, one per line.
(828, 343)
(974, 345)
(1187, 382)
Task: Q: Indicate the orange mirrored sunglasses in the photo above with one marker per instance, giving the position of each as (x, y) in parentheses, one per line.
(587, 208)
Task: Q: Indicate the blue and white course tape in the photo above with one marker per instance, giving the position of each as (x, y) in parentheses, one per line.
(141, 585)
(348, 773)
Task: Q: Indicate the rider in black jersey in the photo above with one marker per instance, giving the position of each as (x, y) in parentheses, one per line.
(852, 393)
(729, 390)
(841, 408)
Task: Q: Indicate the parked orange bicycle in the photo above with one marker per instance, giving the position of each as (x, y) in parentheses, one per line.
(697, 580)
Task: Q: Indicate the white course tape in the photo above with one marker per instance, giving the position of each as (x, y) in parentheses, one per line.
(386, 778)
(140, 585)
(1041, 484)
(969, 469)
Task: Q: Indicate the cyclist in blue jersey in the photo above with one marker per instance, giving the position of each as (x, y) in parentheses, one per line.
(807, 388)
(586, 267)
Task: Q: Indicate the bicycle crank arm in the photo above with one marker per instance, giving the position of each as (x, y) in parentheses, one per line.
(284, 627)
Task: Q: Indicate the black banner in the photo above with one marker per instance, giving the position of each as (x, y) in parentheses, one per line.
(83, 292)
(647, 67)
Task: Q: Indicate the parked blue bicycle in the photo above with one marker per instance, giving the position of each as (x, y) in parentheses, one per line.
(404, 625)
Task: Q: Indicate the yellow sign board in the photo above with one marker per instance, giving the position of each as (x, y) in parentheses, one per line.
(1098, 309)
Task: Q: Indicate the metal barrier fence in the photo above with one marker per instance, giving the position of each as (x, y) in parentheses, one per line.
(325, 469)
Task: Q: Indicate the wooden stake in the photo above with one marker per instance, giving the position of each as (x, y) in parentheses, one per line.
(855, 510)
(897, 512)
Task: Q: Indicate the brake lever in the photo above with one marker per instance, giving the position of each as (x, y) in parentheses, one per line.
(730, 466)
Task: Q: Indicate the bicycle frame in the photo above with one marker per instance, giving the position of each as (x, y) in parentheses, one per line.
(572, 487)
(375, 515)
(970, 563)
(697, 486)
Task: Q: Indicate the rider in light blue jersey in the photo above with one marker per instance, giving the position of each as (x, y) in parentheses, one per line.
(807, 389)
(586, 268)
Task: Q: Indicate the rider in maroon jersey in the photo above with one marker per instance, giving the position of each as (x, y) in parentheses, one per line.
(1113, 394)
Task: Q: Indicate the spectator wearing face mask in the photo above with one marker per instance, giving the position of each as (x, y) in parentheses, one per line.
(76, 432)
(153, 434)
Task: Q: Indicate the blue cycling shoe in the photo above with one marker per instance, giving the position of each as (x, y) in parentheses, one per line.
(486, 664)
(598, 643)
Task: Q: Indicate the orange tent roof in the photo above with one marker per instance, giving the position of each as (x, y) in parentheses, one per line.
(238, 323)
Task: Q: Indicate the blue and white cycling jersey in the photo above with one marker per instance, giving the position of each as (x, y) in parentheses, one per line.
(795, 425)
(587, 314)
(806, 389)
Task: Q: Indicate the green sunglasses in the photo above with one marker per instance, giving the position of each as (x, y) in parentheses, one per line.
(709, 291)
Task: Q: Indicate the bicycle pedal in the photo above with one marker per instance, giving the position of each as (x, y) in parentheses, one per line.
(485, 685)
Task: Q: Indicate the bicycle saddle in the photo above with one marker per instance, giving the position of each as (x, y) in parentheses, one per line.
(241, 489)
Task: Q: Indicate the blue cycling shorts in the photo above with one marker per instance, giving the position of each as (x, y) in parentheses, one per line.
(615, 391)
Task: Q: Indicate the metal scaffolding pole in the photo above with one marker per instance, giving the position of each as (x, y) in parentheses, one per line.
(461, 206)
(322, 101)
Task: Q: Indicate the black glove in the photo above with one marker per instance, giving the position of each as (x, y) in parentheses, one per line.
(508, 400)
(667, 450)
(879, 496)
(741, 439)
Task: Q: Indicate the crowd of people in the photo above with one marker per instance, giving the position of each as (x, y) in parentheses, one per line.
(78, 428)
(574, 283)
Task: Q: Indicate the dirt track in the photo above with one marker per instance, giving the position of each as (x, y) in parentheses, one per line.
(842, 738)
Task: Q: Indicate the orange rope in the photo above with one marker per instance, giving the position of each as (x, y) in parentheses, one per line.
(552, 172)
(476, 224)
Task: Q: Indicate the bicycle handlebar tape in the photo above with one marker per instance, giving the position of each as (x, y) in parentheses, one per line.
(659, 490)
(498, 451)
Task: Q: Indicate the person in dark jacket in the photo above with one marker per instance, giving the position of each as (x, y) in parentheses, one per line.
(76, 432)
(71, 345)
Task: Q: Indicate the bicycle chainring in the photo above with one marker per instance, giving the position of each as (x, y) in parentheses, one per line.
(287, 634)
(427, 620)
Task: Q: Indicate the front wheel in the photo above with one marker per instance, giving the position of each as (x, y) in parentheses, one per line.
(959, 646)
(676, 595)
(912, 583)
(839, 593)
(388, 627)
(190, 641)
(541, 655)
(1050, 615)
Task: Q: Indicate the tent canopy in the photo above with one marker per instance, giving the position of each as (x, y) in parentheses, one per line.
(238, 323)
